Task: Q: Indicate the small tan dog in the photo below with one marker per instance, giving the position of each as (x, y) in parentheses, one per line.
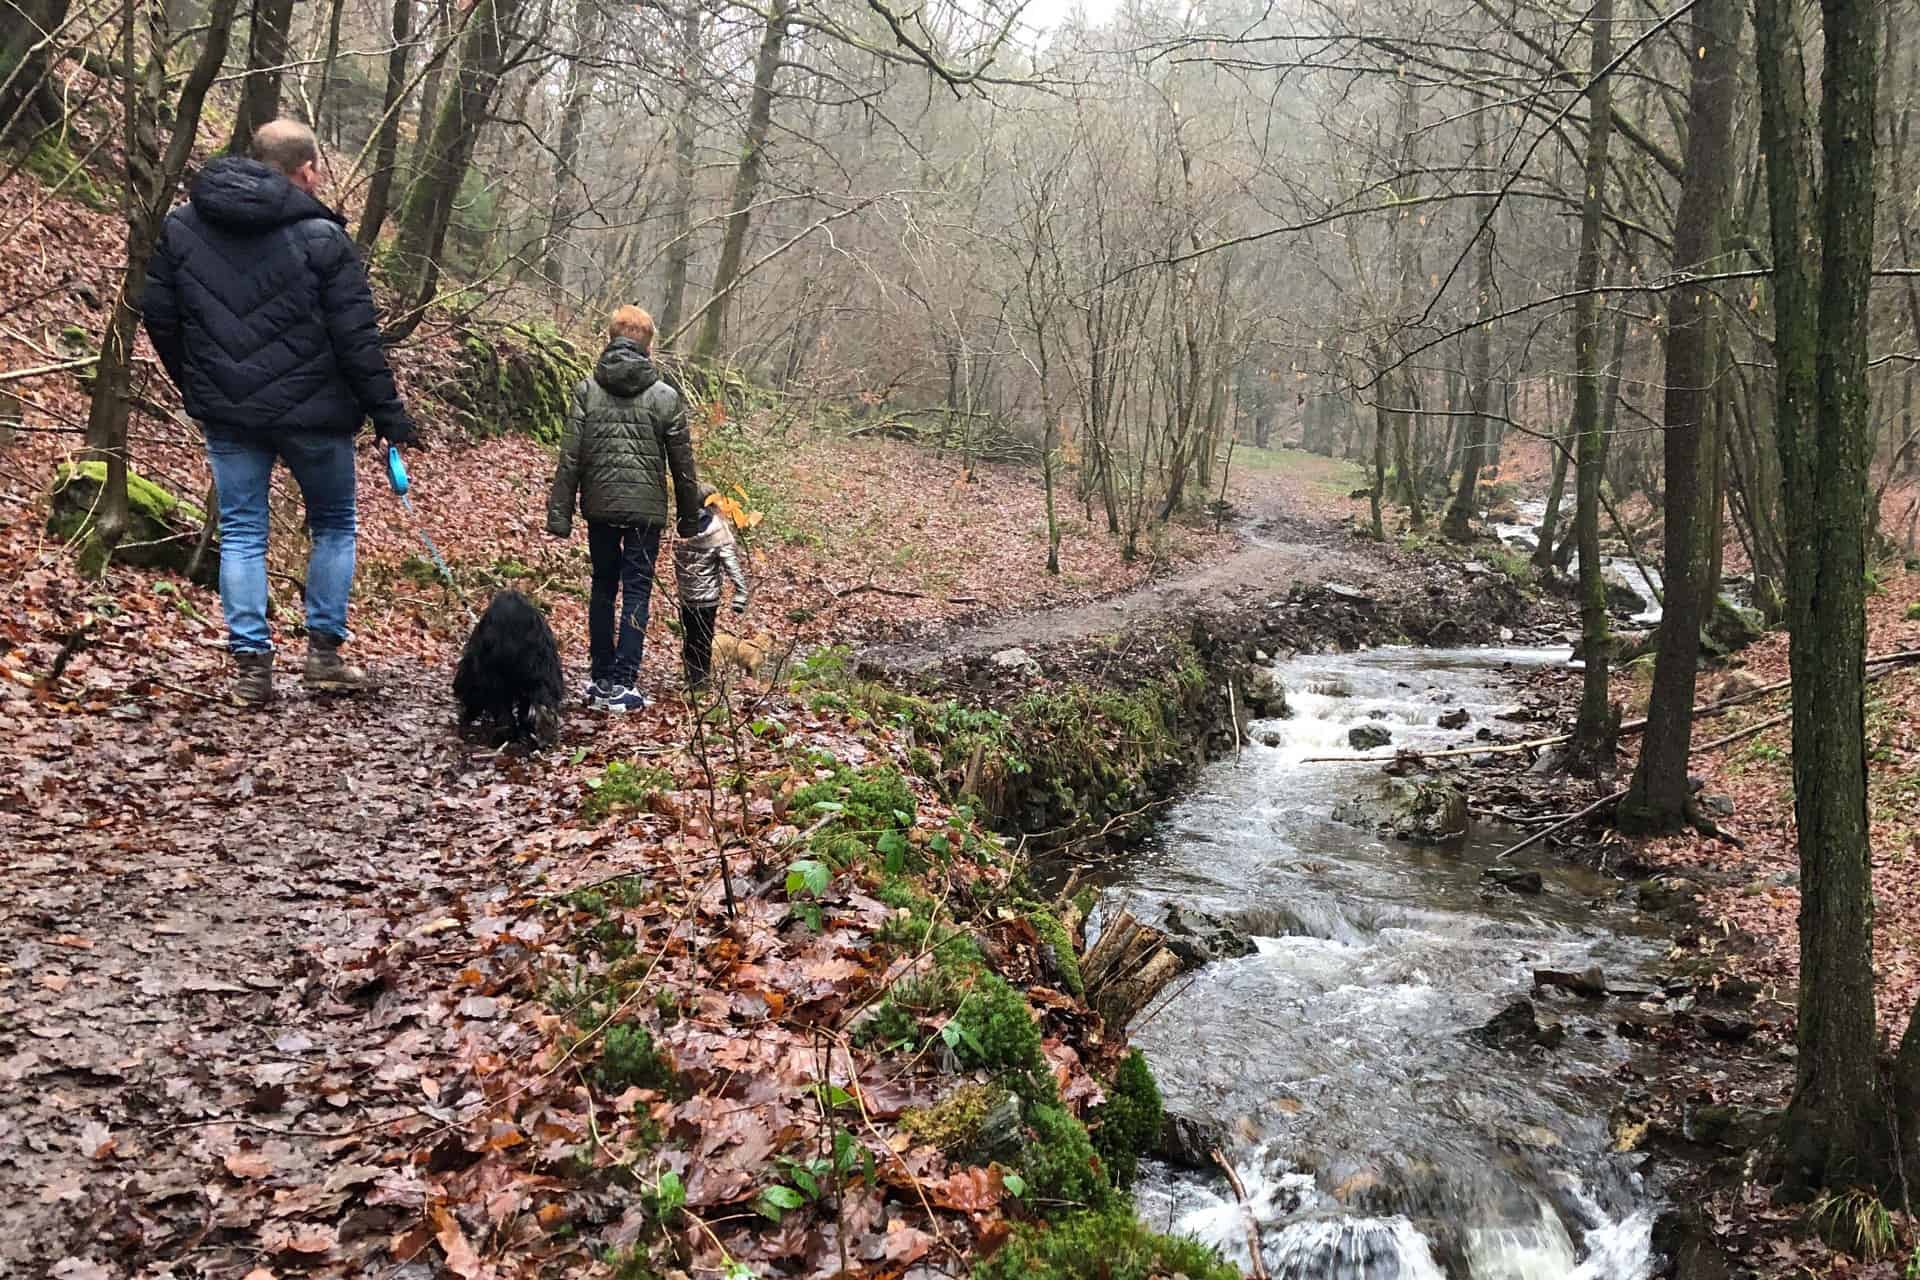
(750, 655)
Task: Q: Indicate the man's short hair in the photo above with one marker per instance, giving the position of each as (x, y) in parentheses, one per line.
(632, 322)
(285, 145)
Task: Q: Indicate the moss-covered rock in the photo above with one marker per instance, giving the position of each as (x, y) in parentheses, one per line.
(1128, 1126)
(1111, 1245)
(1060, 1165)
(519, 379)
(162, 530)
(1730, 628)
(975, 1124)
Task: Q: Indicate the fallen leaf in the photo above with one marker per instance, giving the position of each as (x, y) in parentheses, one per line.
(461, 1259)
(242, 1163)
(96, 1140)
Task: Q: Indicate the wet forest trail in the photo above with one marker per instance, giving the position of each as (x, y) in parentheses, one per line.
(1278, 550)
(237, 941)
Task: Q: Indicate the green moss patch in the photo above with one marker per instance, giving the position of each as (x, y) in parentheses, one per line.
(162, 530)
(1126, 1127)
(1107, 1245)
(519, 380)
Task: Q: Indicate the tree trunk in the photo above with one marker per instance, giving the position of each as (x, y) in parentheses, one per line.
(1594, 730)
(332, 56)
(1478, 429)
(387, 145)
(746, 181)
(147, 210)
(586, 26)
(1834, 1126)
(428, 209)
(685, 133)
(1382, 427)
(31, 45)
(1556, 491)
(1658, 797)
(266, 62)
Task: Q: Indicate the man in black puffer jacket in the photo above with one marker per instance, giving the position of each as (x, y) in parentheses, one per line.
(260, 310)
(626, 433)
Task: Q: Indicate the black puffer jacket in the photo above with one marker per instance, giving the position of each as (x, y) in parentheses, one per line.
(626, 432)
(260, 310)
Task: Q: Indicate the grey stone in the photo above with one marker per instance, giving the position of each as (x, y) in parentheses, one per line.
(1424, 812)
(1515, 879)
(1367, 737)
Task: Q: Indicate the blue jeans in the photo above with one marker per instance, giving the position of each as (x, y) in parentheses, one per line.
(322, 465)
(623, 559)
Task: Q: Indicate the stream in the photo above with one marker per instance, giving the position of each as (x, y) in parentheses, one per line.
(1525, 536)
(1376, 1138)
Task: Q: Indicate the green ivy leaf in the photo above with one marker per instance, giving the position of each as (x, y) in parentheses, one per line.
(1015, 1184)
(784, 1197)
(671, 1193)
(808, 875)
(805, 1181)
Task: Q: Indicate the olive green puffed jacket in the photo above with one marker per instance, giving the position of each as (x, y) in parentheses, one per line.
(626, 433)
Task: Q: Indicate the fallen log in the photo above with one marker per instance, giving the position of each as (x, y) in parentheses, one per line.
(1126, 968)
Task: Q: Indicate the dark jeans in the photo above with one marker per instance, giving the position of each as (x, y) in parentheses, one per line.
(623, 560)
(696, 630)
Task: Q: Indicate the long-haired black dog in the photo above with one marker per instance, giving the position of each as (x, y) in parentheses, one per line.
(509, 674)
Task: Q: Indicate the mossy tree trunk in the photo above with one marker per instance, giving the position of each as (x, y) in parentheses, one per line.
(1458, 525)
(1658, 797)
(1594, 730)
(443, 163)
(573, 114)
(1834, 1130)
(149, 192)
(686, 131)
(387, 141)
(746, 181)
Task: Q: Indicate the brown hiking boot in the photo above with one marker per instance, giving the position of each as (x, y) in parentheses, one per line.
(253, 680)
(327, 672)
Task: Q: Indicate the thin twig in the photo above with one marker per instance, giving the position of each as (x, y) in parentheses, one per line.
(1542, 834)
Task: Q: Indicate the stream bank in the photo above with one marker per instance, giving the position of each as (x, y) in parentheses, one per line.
(1644, 1054)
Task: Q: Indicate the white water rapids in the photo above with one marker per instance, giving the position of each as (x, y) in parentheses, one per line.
(1376, 1138)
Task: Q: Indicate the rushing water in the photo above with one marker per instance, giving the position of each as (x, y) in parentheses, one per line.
(1644, 581)
(1377, 1139)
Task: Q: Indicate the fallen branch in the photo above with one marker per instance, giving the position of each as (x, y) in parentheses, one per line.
(15, 375)
(1562, 825)
(879, 590)
(1253, 1223)
(1749, 731)
(76, 639)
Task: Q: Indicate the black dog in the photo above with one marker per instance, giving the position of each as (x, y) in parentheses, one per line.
(510, 673)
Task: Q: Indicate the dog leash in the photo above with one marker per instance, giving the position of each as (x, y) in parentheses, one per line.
(397, 476)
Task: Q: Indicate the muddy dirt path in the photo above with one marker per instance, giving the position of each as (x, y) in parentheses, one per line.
(1279, 551)
(229, 959)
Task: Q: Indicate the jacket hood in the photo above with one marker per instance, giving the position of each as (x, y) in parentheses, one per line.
(244, 194)
(625, 368)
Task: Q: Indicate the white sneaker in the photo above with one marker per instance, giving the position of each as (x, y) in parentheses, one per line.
(620, 700)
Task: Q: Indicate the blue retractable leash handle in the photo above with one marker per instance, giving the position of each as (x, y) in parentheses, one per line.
(397, 477)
